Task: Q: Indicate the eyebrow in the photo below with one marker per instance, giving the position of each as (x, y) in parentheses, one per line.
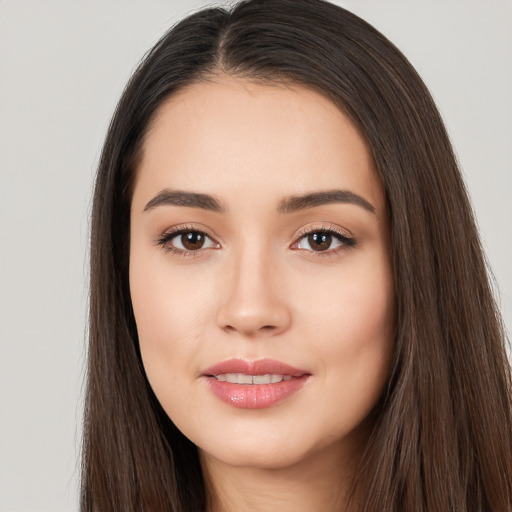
(190, 199)
(288, 205)
(296, 203)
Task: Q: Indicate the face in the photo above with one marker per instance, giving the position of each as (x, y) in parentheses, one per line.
(260, 272)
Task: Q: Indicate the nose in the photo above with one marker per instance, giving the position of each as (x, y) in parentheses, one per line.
(253, 301)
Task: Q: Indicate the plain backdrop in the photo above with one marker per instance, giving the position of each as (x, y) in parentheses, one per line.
(63, 65)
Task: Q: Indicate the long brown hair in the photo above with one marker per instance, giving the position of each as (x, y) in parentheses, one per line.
(442, 436)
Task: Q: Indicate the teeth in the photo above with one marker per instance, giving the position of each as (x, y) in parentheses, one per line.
(241, 378)
(244, 379)
(266, 379)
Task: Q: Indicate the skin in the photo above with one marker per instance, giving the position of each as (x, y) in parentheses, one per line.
(258, 290)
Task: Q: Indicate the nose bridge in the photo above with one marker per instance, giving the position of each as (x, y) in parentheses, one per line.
(253, 302)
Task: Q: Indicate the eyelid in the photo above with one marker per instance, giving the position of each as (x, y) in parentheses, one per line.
(345, 233)
(344, 236)
(175, 231)
(180, 228)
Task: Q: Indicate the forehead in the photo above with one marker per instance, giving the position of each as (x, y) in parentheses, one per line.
(231, 136)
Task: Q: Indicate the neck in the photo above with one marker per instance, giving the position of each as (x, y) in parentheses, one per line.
(319, 482)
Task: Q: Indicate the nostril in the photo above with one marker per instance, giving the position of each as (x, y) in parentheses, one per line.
(257, 318)
(251, 330)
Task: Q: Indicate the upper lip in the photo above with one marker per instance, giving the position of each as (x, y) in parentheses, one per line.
(259, 367)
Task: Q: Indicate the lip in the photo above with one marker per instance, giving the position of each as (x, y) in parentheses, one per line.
(255, 396)
(259, 367)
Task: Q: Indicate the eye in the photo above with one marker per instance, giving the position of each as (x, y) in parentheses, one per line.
(324, 240)
(186, 240)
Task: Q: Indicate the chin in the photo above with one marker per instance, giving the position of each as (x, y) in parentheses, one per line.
(269, 450)
(254, 456)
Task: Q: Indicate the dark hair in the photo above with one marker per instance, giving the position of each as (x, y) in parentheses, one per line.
(442, 434)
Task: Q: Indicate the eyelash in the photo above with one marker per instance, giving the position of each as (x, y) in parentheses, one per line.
(347, 241)
(167, 236)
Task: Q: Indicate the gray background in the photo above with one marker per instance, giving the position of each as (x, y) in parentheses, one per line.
(63, 64)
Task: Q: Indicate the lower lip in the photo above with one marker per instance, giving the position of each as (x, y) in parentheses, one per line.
(255, 396)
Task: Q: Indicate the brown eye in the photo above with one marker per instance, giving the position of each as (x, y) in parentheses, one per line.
(192, 240)
(324, 241)
(320, 241)
(186, 241)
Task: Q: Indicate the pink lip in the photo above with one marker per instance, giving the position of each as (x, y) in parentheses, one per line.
(255, 396)
(260, 367)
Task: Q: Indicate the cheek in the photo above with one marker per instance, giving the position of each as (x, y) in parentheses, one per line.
(352, 325)
(170, 312)
(366, 328)
(352, 309)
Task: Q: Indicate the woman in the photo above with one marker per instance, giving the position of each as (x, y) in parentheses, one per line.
(289, 302)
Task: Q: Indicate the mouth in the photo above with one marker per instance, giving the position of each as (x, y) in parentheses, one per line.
(254, 385)
(242, 378)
